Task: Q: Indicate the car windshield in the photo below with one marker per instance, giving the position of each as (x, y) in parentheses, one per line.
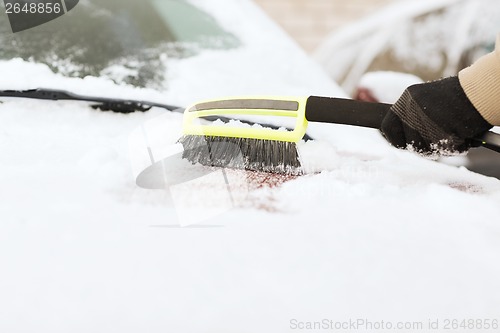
(126, 40)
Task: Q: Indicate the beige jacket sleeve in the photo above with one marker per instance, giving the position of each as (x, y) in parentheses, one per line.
(481, 83)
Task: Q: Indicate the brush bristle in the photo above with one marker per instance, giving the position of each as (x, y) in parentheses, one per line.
(241, 153)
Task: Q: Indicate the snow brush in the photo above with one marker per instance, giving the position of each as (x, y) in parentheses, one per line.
(267, 149)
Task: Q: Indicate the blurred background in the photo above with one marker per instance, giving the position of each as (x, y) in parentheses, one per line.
(310, 21)
(428, 39)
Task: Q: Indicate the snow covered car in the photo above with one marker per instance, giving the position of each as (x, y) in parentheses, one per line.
(371, 234)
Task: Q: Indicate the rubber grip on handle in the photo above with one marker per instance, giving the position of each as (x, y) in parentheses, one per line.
(346, 111)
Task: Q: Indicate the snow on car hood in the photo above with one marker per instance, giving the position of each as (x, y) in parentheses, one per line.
(370, 232)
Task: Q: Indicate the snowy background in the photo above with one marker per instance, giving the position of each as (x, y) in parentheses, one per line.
(371, 232)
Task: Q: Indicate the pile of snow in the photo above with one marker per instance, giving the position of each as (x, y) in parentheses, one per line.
(83, 248)
(371, 232)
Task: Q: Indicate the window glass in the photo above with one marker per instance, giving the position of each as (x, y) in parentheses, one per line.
(127, 40)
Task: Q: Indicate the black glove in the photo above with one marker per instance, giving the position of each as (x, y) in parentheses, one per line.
(435, 117)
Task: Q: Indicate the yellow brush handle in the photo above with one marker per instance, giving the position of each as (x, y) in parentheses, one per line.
(256, 106)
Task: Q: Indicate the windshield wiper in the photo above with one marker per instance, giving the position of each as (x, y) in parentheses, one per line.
(101, 103)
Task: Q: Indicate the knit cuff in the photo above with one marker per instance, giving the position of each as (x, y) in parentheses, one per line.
(481, 83)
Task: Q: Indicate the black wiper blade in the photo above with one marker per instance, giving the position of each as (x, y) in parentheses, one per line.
(102, 103)
(123, 106)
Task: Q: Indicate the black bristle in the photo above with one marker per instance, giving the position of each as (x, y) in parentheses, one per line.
(242, 153)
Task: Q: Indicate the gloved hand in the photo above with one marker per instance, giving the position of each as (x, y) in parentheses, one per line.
(434, 118)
